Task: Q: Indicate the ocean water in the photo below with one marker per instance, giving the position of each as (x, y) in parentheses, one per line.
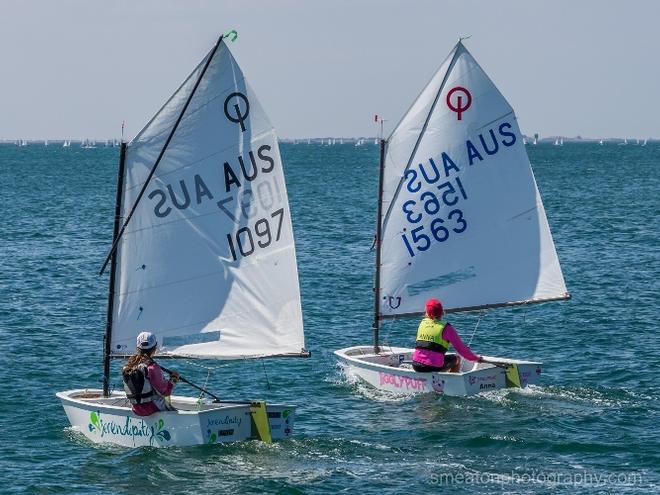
(590, 427)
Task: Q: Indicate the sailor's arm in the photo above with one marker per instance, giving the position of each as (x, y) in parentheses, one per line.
(158, 381)
(450, 335)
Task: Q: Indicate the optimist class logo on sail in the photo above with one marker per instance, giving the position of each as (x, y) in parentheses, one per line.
(246, 190)
(433, 212)
(459, 107)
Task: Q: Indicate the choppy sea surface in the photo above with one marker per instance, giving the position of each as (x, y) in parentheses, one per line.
(590, 427)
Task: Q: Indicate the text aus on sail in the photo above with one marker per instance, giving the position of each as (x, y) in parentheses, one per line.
(246, 190)
(435, 191)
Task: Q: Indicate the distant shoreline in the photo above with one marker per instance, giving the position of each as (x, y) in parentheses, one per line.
(327, 140)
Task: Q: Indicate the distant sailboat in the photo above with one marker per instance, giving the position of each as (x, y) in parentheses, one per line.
(644, 143)
(556, 142)
(444, 231)
(625, 142)
(561, 142)
(600, 142)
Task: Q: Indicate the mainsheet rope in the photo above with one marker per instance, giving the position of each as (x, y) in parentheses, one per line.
(482, 315)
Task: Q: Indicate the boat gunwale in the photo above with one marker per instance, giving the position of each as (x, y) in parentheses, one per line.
(342, 355)
(66, 396)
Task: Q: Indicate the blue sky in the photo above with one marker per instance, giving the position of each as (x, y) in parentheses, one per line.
(78, 68)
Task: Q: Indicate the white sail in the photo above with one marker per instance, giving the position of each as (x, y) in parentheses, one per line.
(208, 260)
(463, 220)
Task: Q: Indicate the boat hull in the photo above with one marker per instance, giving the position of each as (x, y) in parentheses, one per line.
(110, 420)
(390, 370)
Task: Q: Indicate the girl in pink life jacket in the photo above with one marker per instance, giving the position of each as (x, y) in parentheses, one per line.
(434, 336)
(144, 383)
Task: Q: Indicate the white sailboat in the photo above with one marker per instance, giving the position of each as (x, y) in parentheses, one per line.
(204, 257)
(444, 230)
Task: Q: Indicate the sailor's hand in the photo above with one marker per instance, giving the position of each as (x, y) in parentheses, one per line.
(481, 359)
(175, 376)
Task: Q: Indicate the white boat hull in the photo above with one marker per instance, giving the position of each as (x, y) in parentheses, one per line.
(390, 370)
(110, 420)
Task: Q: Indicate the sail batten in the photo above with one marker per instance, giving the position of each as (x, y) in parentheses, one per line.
(208, 260)
(465, 221)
